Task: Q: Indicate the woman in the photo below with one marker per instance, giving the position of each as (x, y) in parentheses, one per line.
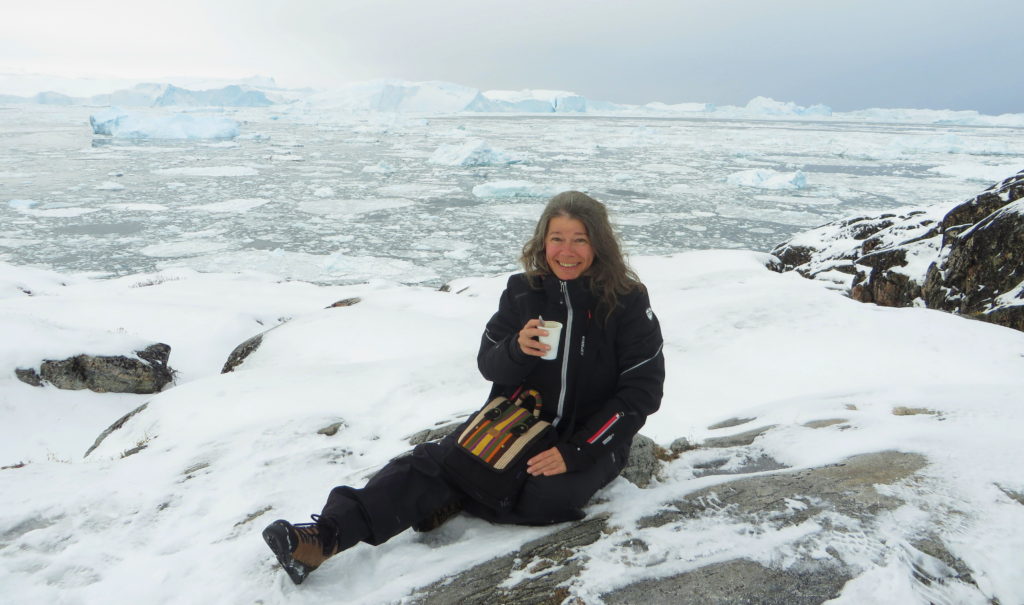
(597, 393)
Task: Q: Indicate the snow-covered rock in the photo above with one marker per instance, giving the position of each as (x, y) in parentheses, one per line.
(965, 258)
(146, 371)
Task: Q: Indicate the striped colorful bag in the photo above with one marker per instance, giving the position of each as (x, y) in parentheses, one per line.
(489, 456)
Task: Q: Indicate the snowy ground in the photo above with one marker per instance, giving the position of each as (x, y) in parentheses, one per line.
(179, 521)
(329, 196)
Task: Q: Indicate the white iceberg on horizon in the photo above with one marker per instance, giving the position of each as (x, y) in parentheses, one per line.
(118, 123)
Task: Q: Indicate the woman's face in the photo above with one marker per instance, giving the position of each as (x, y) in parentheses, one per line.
(567, 248)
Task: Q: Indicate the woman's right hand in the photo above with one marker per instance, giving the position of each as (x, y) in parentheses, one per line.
(528, 342)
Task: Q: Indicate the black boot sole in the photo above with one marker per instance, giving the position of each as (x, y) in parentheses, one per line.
(278, 538)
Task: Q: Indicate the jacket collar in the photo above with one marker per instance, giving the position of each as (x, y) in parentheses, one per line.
(579, 289)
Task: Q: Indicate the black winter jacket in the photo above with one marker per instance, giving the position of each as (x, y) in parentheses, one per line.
(609, 373)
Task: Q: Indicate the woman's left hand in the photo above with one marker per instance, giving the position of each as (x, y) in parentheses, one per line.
(549, 462)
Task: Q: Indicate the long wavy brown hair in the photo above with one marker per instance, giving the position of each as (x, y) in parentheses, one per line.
(610, 274)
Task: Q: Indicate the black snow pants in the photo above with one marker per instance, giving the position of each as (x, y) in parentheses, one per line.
(409, 489)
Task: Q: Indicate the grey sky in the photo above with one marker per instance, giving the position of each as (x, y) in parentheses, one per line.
(937, 54)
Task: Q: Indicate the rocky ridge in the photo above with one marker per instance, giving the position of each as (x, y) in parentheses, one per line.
(965, 258)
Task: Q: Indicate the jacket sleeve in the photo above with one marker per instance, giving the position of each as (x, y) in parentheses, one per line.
(500, 359)
(641, 366)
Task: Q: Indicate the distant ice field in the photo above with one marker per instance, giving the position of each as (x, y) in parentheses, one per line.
(340, 198)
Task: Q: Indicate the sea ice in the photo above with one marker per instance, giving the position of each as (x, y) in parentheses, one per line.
(517, 189)
(183, 248)
(472, 152)
(978, 172)
(110, 186)
(354, 207)
(209, 171)
(764, 178)
(381, 168)
(57, 211)
(239, 205)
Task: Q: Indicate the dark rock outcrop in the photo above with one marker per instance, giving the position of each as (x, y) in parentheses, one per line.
(832, 499)
(146, 372)
(966, 259)
(29, 376)
(550, 560)
(239, 353)
(113, 427)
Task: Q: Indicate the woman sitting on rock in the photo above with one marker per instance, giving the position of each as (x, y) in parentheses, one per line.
(597, 393)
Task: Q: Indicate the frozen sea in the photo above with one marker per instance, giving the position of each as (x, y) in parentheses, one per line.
(337, 198)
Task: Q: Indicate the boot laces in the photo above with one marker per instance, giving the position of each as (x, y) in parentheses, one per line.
(320, 532)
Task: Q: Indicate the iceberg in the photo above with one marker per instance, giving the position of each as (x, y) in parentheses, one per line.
(118, 123)
(22, 204)
(229, 96)
(770, 107)
(398, 96)
(768, 179)
(52, 98)
(681, 107)
(472, 152)
(537, 101)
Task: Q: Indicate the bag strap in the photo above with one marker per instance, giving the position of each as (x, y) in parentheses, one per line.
(520, 397)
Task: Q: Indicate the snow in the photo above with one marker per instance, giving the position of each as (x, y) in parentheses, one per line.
(118, 123)
(227, 453)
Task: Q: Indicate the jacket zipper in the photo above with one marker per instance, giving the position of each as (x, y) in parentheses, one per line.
(604, 429)
(565, 354)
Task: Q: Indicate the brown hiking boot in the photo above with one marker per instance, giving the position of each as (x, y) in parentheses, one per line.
(302, 547)
(439, 517)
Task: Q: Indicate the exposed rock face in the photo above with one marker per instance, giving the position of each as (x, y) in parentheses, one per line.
(239, 353)
(147, 372)
(834, 500)
(29, 376)
(550, 561)
(982, 274)
(113, 427)
(966, 259)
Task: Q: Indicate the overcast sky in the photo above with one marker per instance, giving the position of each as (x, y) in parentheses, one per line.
(939, 54)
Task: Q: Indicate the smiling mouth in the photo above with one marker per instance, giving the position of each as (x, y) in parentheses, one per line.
(567, 265)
